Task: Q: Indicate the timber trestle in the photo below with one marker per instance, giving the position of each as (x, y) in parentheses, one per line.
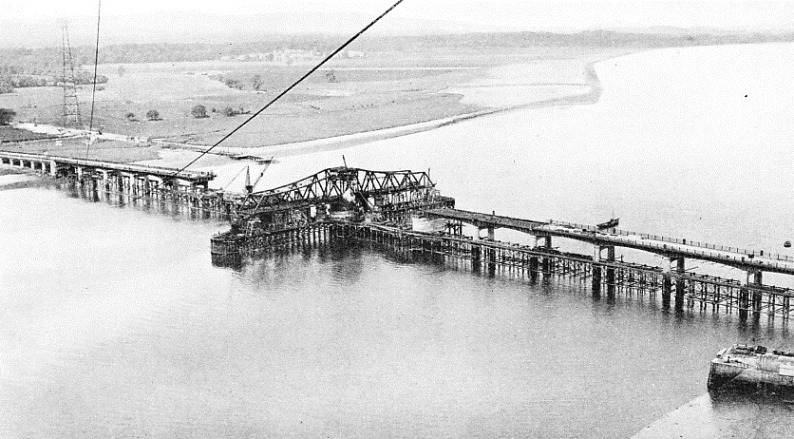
(207, 201)
(682, 290)
(402, 212)
(679, 290)
(172, 188)
(339, 206)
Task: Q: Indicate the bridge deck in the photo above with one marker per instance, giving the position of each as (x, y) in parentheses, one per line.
(739, 258)
(158, 171)
(486, 220)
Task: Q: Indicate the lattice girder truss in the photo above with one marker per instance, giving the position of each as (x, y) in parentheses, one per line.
(333, 184)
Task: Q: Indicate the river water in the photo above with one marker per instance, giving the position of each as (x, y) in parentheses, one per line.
(114, 323)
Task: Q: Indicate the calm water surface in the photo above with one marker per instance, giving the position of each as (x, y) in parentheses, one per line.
(114, 323)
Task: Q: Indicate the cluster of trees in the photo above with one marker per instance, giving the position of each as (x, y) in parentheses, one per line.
(229, 111)
(233, 83)
(6, 116)
(200, 111)
(19, 81)
(48, 59)
(239, 84)
(40, 68)
(8, 82)
(256, 82)
(30, 62)
(152, 115)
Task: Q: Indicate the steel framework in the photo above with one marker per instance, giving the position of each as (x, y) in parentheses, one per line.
(384, 188)
(70, 116)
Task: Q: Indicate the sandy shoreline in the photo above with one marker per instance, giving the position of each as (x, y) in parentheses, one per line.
(535, 95)
(534, 84)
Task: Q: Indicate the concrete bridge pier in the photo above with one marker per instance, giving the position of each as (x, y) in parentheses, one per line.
(118, 182)
(85, 175)
(744, 303)
(155, 183)
(610, 270)
(754, 297)
(675, 269)
(678, 266)
(105, 178)
(604, 253)
(491, 257)
(126, 181)
(489, 236)
(534, 263)
(476, 257)
(142, 184)
(545, 262)
(667, 288)
(484, 254)
(136, 184)
(596, 273)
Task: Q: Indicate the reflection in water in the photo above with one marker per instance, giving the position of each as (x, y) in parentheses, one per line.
(329, 335)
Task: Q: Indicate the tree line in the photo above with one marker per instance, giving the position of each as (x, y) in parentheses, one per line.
(9, 82)
(48, 60)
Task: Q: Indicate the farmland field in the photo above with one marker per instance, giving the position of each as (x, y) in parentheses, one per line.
(382, 90)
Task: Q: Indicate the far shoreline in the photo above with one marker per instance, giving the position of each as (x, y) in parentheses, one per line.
(590, 96)
(545, 81)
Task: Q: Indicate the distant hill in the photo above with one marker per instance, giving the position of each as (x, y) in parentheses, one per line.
(208, 28)
(192, 27)
(41, 61)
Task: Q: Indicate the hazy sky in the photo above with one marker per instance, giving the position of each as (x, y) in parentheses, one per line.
(20, 17)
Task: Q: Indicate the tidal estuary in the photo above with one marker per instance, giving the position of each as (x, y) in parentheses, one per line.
(114, 322)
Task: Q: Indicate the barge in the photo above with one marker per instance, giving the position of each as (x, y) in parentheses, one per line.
(750, 365)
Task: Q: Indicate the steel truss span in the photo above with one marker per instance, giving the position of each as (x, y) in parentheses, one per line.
(333, 184)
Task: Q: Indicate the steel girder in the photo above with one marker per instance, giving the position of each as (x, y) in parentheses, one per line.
(332, 183)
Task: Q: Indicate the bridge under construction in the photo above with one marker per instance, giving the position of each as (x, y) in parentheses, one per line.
(185, 188)
(403, 212)
(389, 208)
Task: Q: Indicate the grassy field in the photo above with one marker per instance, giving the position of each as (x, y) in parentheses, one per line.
(381, 90)
(114, 151)
(11, 134)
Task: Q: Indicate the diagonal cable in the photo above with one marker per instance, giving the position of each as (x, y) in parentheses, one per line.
(288, 89)
(93, 90)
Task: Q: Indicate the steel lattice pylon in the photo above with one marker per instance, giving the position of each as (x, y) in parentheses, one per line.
(70, 115)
